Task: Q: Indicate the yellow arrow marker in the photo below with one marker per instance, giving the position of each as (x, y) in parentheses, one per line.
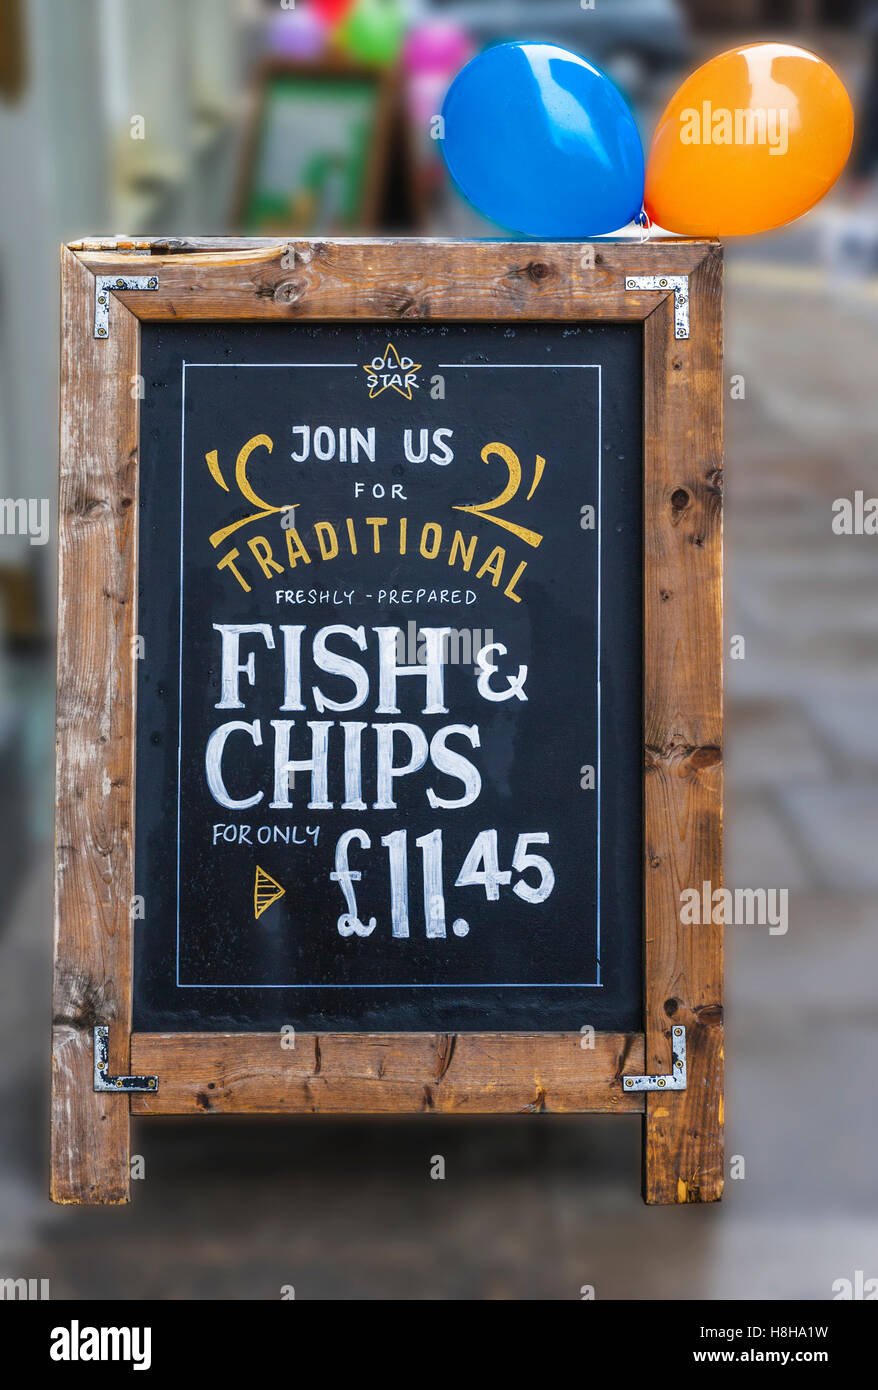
(266, 890)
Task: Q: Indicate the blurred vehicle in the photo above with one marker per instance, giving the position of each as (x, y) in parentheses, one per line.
(634, 41)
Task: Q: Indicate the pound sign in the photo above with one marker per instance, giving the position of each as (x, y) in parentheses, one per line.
(349, 923)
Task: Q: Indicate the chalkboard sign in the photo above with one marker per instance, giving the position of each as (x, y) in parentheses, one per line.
(390, 601)
(389, 688)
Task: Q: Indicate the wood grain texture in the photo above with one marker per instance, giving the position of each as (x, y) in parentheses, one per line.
(400, 280)
(390, 1073)
(95, 743)
(683, 735)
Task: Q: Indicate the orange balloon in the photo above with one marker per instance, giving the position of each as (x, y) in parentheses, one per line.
(750, 141)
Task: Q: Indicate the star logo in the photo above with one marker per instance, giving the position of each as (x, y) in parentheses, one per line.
(392, 372)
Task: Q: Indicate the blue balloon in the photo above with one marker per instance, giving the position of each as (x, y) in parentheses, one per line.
(543, 142)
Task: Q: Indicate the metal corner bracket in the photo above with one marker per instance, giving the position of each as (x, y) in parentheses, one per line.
(679, 284)
(676, 1081)
(105, 283)
(103, 1080)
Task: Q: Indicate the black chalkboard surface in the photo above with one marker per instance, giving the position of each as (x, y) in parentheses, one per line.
(389, 750)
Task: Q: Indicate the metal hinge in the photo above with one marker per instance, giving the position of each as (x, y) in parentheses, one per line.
(679, 284)
(676, 1081)
(119, 245)
(103, 1080)
(105, 283)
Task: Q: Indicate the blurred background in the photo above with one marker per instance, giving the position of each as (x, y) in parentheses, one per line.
(211, 117)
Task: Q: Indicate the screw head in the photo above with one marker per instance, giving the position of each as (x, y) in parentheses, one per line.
(661, 1081)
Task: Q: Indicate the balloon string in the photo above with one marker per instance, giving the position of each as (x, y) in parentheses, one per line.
(645, 224)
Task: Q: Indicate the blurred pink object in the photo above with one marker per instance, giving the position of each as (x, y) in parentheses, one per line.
(437, 47)
(299, 33)
(434, 52)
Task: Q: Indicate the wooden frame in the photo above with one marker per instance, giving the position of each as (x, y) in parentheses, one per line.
(467, 1073)
(330, 69)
